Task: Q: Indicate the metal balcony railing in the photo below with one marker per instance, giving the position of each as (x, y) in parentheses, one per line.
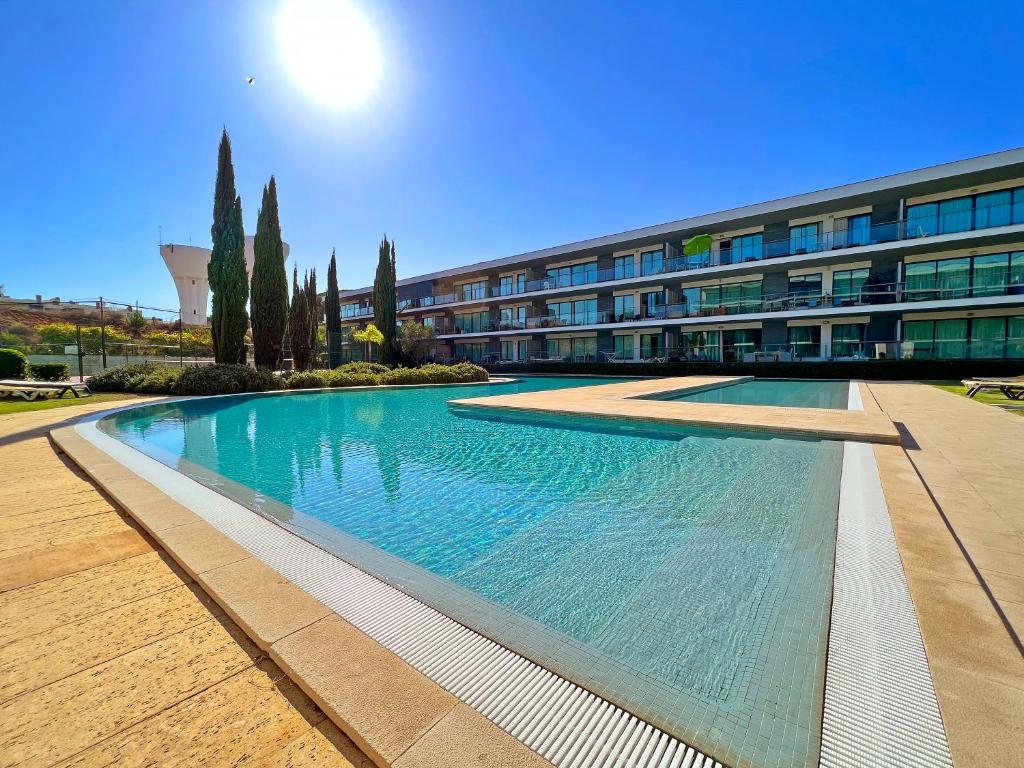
(903, 229)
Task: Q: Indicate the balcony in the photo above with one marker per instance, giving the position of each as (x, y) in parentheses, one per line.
(868, 295)
(900, 230)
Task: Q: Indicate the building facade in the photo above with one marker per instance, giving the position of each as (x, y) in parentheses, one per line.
(923, 264)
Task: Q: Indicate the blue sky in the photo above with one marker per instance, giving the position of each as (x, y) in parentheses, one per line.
(498, 127)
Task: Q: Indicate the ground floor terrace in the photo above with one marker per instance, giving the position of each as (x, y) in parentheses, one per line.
(134, 631)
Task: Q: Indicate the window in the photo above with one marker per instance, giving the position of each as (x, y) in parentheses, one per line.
(993, 209)
(700, 345)
(858, 230)
(847, 285)
(935, 338)
(623, 266)
(580, 312)
(848, 340)
(653, 304)
(955, 215)
(577, 350)
(945, 279)
(747, 248)
(736, 344)
(623, 346)
(805, 288)
(512, 284)
(989, 209)
(472, 322)
(428, 322)
(652, 262)
(988, 337)
(805, 340)
(741, 297)
(651, 345)
(472, 291)
(514, 350)
(559, 277)
(990, 274)
(625, 308)
(804, 238)
(691, 302)
(475, 352)
(511, 318)
(350, 310)
(922, 220)
(582, 274)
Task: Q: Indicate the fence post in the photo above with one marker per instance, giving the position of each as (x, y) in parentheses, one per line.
(78, 342)
(181, 361)
(103, 336)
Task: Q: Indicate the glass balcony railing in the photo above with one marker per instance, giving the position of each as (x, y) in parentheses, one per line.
(904, 229)
(868, 295)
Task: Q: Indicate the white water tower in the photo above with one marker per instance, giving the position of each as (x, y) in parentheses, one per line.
(187, 265)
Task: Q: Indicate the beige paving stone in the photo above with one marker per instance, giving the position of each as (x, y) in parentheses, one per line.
(48, 516)
(112, 696)
(53, 534)
(199, 547)
(1004, 587)
(18, 571)
(381, 702)
(261, 601)
(324, 746)
(32, 662)
(465, 738)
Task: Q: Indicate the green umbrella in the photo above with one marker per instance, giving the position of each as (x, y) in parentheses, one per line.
(697, 244)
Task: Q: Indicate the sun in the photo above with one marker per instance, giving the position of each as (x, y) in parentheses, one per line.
(330, 49)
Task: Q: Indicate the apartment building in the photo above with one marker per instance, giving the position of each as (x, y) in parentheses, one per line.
(923, 264)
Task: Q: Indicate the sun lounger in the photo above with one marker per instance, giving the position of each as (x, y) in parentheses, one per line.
(27, 393)
(1013, 389)
(78, 390)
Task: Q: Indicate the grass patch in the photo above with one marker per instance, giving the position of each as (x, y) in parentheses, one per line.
(17, 405)
(989, 398)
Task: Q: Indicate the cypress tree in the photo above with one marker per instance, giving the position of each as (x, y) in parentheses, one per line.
(229, 285)
(385, 302)
(269, 284)
(298, 325)
(332, 310)
(314, 316)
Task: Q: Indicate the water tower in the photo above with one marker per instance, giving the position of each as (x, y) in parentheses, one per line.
(187, 265)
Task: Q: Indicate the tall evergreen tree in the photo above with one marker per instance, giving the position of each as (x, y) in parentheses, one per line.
(385, 302)
(314, 316)
(229, 285)
(332, 312)
(269, 284)
(298, 325)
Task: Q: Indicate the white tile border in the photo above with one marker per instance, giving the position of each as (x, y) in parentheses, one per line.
(854, 402)
(879, 709)
(880, 705)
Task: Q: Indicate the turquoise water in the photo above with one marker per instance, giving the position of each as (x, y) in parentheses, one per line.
(686, 575)
(788, 393)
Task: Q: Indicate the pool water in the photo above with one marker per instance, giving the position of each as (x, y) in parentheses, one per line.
(685, 575)
(788, 393)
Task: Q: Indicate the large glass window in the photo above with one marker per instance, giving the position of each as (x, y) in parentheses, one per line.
(651, 345)
(848, 340)
(691, 301)
(743, 297)
(989, 209)
(991, 273)
(804, 238)
(1016, 281)
(583, 274)
(847, 285)
(350, 310)
(512, 318)
(993, 209)
(472, 322)
(623, 346)
(805, 340)
(625, 308)
(806, 289)
(748, 247)
(652, 262)
(472, 291)
(509, 285)
(653, 303)
(514, 350)
(700, 345)
(581, 312)
(623, 267)
(559, 277)
(922, 220)
(943, 339)
(1015, 336)
(942, 279)
(736, 344)
(577, 349)
(476, 352)
(955, 215)
(1017, 215)
(858, 230)
(988, 337)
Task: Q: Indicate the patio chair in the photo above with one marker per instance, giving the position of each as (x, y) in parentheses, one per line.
(78, 390)
(1013, 389)
(29, 394)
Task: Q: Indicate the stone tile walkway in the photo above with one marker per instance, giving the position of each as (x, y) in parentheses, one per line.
(110, 653)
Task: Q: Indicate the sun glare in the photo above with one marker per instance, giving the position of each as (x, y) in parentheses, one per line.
(330, 49)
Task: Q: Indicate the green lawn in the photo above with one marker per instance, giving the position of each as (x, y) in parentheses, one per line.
(989, 398)
(17, 405)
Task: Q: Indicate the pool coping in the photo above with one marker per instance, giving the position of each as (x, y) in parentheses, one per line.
(612, 732)
(625, 400)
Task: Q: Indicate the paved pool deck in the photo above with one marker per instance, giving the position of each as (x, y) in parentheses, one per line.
(111, 654)
(624, 401)
(116, 654)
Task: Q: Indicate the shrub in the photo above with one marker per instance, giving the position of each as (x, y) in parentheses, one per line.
(12, 364)
(224, 380)
(49, 371)
(304, 380)
(435, 374)
(339, 378)
(361, 367)
(124, 378)
(161, 380)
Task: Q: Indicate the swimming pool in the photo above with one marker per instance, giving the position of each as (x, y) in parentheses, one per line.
(788, 393)
(685, 575)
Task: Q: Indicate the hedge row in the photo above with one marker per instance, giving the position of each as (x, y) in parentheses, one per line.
(232, 379)
(847, 369)
(14, 365)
